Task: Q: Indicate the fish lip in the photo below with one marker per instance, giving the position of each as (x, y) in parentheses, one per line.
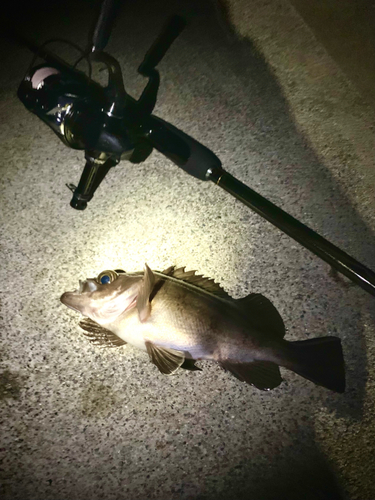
(64, 299)
(85, 287)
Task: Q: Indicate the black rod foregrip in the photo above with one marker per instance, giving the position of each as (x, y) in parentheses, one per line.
(183, 150)
(311, 240)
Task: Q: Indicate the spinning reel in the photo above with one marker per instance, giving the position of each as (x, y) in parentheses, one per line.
(110, 126)
(106, 122)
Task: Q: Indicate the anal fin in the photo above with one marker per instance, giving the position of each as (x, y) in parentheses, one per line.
(264, 375)
(167, 360)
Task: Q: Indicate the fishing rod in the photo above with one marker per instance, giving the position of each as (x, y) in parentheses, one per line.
(110, 126)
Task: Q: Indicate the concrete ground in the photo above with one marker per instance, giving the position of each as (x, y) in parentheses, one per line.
(256, 83)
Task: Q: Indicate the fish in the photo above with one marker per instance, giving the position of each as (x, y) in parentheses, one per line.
(179, 317)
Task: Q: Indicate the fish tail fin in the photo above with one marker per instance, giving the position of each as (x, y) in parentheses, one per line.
(321, 361)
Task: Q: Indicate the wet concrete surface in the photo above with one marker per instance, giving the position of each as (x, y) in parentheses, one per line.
(83, 422)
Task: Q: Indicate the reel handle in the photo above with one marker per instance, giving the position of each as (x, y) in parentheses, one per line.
(159, 48)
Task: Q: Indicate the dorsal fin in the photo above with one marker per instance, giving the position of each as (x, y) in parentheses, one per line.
(262, 314)
(168, 271)
(197, 280)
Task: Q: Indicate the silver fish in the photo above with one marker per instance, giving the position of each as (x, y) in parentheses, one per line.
(179, 317)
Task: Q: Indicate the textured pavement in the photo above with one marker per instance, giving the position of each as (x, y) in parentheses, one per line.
(79, 422)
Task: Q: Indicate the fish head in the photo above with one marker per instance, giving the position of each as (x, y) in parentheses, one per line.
(104, 298)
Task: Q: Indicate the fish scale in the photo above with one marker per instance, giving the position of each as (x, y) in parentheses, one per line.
(179, 316)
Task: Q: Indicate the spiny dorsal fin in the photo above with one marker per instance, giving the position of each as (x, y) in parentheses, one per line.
(262, 314)
(198, 280)
(99, 335)
(168, 271)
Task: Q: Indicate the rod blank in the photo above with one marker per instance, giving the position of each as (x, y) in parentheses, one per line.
(308, 238)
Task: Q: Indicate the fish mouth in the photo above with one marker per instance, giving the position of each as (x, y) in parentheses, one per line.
(85, 287)
(67, 299)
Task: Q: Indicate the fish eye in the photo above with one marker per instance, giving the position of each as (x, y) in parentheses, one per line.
(106, 277)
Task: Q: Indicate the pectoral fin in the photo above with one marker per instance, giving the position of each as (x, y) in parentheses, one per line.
(98, 335)
(167, 360)
(143, 298)
(262, 374)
